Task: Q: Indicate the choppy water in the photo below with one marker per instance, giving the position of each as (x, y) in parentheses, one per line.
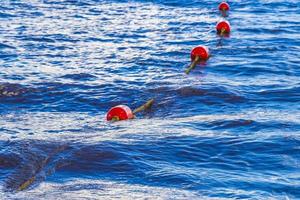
(229, 130)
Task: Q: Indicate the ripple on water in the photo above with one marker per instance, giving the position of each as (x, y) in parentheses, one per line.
(228, 130)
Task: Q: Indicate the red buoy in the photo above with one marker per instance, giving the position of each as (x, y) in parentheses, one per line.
(223, 27)
(118, 113)
(224, 6)
(201, 52)
(123, 112)
(198, 54)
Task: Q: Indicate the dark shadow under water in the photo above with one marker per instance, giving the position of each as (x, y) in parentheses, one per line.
(53, 96)
(27, 163)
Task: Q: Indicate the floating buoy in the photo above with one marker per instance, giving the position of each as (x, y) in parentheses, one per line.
(224, 7)
(123, 112)
(223, 27)
(120, 112)
(199, 53)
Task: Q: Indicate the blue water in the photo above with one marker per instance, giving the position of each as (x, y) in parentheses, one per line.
(229, 130)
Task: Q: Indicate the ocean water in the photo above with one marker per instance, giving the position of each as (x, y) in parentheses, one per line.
(228, 130)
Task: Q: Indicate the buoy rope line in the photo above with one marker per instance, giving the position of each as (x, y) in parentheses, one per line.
(222, 28)
(198, 54)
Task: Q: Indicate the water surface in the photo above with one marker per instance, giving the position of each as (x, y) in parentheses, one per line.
(229, 130)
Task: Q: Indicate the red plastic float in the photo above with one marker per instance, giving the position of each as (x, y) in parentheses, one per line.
(223, 27)
(199, 53)
(120, 112)
(224, 6)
